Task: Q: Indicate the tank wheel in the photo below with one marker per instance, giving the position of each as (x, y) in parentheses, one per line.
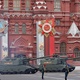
(11, 72)
(60, 70)
(27, 71)
(34, 71)
(55, 70)
(6, 72)
(21, 72)
(2, 72)
(47, 71)
(15, 72)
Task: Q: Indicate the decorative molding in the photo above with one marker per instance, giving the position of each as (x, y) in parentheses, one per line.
(43, 15)
(65, 0)
(73, 37)
(18, 14)
(37, 2)
(57, 42)
(39, 7)
(20, 37)
(57, 36)
(73, 41)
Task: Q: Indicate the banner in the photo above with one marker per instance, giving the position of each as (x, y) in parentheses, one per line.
(40, 43)
(51, 45)
(47, 29)
(4, 46)
(3, 38)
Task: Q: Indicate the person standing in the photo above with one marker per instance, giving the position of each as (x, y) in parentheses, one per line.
(66, 71)
(43, 68)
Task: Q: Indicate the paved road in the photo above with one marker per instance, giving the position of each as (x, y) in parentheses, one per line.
(75, 75)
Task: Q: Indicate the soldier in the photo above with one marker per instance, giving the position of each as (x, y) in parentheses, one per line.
(66, 72)
(43, 68)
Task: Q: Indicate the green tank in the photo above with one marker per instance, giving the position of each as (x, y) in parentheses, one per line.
(17, 65)
(55, 64)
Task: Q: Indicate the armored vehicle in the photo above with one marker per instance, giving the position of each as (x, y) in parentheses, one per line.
(55, 64)
(19, 64)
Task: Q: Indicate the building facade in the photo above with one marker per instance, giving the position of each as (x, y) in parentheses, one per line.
(22, 16)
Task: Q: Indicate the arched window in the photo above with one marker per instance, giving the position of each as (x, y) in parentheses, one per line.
(77, 52)
(57, 5)
(16, 28)
(63, 48)
(23, 28)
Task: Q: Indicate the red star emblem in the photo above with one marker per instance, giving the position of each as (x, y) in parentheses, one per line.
(47, 27)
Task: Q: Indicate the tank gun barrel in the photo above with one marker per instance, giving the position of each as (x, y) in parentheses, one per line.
(37, 58)
(56, 56)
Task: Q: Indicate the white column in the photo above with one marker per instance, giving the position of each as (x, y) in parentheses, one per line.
(40, 43)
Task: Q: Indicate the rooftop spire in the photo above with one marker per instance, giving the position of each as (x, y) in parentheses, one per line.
(73, 29)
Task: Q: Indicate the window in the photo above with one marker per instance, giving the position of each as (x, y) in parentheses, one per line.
(63, 48)
(16, 28)
(27, 4)
(23, 28)
(5, 5)
(57, 22)
(77, 52)
(57, 6)
(16, 4)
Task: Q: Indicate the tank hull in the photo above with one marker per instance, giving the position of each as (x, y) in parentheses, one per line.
(17, 69)
(56, 68)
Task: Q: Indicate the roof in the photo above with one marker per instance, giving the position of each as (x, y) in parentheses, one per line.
(73, 30)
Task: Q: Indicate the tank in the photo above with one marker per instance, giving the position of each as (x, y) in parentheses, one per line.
(55, 64)
(17, 65)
